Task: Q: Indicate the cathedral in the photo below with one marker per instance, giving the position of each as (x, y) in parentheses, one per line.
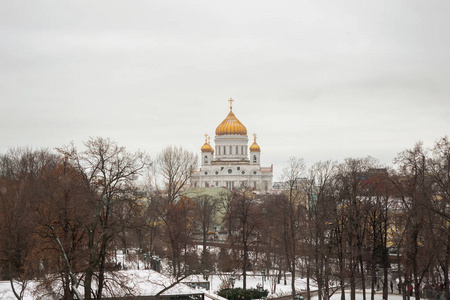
(231, 163)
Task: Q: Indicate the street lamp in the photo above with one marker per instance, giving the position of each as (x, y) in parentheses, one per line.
(206, 277)
(263, 272)
(232, 280)
(377, 270)
(158, 264)
(206, 274)
(259, 289)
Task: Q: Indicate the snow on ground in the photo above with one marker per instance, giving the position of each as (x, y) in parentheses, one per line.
(270, 283)
(142, 282)
(142, 279)
(359, 296)
(6, 291)
(149, 282)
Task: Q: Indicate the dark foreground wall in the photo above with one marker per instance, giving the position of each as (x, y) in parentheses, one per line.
(171, 297)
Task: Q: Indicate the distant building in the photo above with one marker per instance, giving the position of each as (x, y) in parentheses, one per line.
(231, 163)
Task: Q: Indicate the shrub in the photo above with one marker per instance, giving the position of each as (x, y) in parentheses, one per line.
(241, 294)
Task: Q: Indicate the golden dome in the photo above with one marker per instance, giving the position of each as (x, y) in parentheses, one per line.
(255, 147)
(207, 147)
(231, 125)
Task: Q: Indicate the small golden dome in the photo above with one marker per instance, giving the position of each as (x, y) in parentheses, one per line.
(255, 147)
(207, 147)
(231, 125)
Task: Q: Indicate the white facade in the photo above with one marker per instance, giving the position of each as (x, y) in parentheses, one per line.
(231, 163)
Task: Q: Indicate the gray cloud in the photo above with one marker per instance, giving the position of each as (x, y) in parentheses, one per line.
(319, 79)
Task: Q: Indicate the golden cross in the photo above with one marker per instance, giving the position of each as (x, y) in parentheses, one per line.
(206, 137)
(209, 139)
(231, 103)
(254, 136)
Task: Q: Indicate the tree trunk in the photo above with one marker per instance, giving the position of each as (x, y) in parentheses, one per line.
(373, 281)
(445, 269)
(308, 275)
(205, 237)
(88, 283)
(363, 278)
(352, 277)
(244, 269)
(326, 279)
(67, 293)
(293, 261)
(318, 275)
(293, 280)
(385, 283)
(342, 269)
(101, 273)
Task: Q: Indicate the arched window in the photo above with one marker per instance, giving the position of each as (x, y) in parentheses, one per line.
(206, 159)
(224, 150)
(254, 158)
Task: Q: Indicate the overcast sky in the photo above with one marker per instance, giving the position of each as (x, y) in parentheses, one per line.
(314, 79)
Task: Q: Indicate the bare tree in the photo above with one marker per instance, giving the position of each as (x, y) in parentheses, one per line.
(440, 204)
(414, 188)
(62, 209)
(205, 209)
(292, 212)
(20, 170)
(273, 257)
(350, 181)
(318, 225)
(178, 219)
(246, 213)
(176, 166)
(110, 172)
